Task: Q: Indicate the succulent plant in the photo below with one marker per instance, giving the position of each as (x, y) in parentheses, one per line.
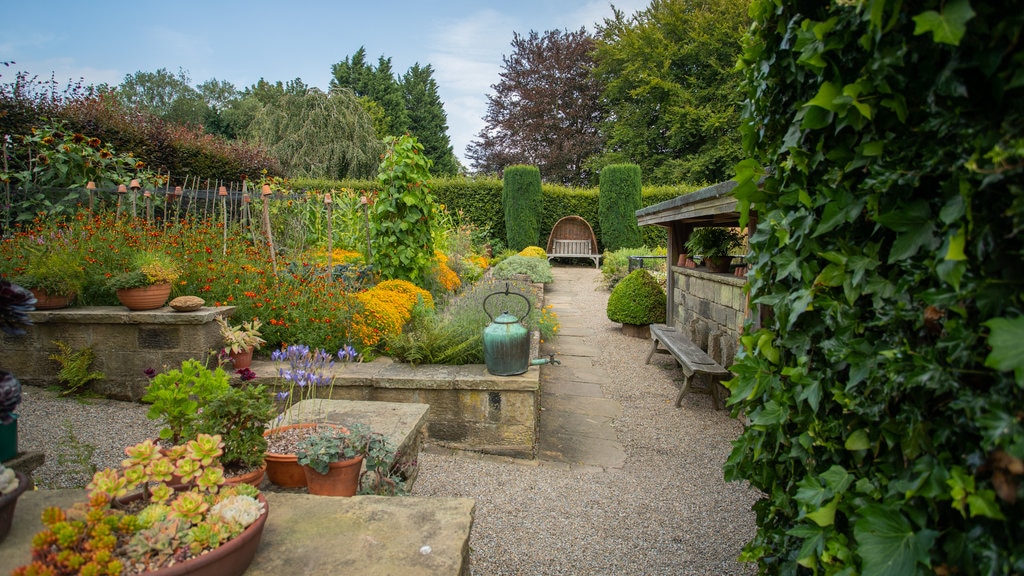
(10, 396)
(8, 480)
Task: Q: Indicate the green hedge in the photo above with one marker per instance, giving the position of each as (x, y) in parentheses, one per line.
(618, 201)
(522, 198)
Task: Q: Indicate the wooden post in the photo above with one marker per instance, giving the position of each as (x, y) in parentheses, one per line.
(266, 225)
(330, 237)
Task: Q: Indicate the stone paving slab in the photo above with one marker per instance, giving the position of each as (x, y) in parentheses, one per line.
(601, 407)
(572, 346)
(589, 374)
(569, 388)
(586, 451)
(304, 534)
(578, 424)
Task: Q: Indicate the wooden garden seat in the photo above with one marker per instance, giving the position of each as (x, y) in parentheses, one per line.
(572, 237)
(691, 359)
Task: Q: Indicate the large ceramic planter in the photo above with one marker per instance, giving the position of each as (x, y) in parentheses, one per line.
(9, 501)
(642, 331)
(9, 439)
(342, 478)
(231, 558)
(146, 297)
(241, 360)
(47, 301)
(284, 470)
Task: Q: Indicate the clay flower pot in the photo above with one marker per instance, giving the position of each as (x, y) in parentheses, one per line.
(47, 301)
(283, 469)
(241, 360)
(253, 478)
(342, 478)
(145, 298)
(9, 501)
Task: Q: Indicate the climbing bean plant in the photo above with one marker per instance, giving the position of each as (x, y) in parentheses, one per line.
(883, 389)
(400, 227)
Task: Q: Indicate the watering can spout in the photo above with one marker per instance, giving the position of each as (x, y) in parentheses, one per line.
(549, 360)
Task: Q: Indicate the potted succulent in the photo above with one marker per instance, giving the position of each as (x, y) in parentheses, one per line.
(715, 245)
(333, 459)
(15, 304)
(147, 283)
(133, 521)
(241, 341)
(195, 399)
(54, 277)
(12, 485)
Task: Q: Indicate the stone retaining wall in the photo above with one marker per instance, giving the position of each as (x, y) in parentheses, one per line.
(718, 299)
(125, 343)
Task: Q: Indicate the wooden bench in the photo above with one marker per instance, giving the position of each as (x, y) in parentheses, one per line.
(691, 359)
(572, 237)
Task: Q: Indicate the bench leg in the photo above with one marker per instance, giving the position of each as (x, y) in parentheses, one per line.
(682, 390)
(654, 348)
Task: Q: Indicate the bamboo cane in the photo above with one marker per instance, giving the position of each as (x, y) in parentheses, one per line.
(330, 237)
(266, 224)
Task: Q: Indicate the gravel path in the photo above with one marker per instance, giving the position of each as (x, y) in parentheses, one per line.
(667, 511)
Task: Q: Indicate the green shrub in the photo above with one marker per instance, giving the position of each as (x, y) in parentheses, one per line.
(619, 199)
(538, 269)
(524, 204)
(637, 299)
(533, 252)
(884, 392)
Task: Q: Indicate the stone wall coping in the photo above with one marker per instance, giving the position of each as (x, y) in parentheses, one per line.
(720, 278)
(122, 315)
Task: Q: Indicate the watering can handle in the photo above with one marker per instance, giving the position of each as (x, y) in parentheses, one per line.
(507, 292)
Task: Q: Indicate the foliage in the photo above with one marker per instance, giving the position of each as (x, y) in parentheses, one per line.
(238, 339)
(399, 218)
(10, 396)
(618, 201)
(523, 201)
(54, 268)
(671, 91)
(637, 299)
(615, 265)
(713, 241)
(332, 444)
(146, 268)
(378, 85)
(545, 110)
(305, 371)
(537, 269)
(177, 396)
(885, 428)
(102, 536)
(74, 371)
(240, 415)
(317, 135)
(533, 252)
(455, 334)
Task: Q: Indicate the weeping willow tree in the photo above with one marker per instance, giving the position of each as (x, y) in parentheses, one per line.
(318, 135)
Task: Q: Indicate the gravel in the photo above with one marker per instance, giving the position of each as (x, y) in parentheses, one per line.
(666, 511)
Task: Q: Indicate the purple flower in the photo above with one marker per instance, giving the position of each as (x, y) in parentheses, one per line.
(246, 374)
(149, 372)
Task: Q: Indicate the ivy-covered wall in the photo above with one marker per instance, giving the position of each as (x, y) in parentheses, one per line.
(885, 392)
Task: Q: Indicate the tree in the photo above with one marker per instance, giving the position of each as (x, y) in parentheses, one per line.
(671, 90)
(427, 119)
(884, 392)
(315, 134)
(377, 85)
(219, 95)
(523, 201)
(164, 95)
(545, 110)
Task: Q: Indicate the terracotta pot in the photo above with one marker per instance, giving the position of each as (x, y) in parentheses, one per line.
(47, 301)
(146, 297)
(231, 558)
(253, 478)
(342, 478)
(642, 331)
(284, 469)
(718, 263)
(9, 501)
(241, 360)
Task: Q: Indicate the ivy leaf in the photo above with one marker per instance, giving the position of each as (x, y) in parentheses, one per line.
(984, 504)
(826, 515)
(956, 246)
(888, 544)
(908, 243)
(1006, 338)
(826, 96)
(948, 27)
(858, 440)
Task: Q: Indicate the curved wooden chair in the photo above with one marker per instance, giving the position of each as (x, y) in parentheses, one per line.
(572, 237)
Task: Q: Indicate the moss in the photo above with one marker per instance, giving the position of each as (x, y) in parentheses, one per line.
(637, 299)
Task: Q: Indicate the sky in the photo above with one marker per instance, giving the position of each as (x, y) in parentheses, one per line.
(463, 40)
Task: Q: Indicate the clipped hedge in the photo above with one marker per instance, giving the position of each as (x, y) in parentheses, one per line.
(524, 203)
(619, 199)
(884, 394)
(637, 299)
